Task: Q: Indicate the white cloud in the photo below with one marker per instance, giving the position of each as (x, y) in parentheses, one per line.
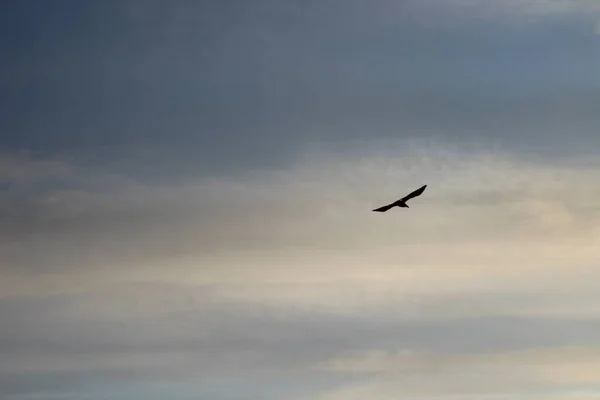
(306, 236)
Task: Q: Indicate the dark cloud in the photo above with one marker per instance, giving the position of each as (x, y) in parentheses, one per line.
(202, 88)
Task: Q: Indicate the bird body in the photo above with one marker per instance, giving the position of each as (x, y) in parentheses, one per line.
(402, 202)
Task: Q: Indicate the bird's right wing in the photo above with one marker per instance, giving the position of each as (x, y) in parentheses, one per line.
(385, 208)
(415, 193)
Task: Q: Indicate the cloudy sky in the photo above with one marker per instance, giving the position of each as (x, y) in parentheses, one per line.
(186, 191)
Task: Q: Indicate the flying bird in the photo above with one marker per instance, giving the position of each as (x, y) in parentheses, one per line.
(402, 201)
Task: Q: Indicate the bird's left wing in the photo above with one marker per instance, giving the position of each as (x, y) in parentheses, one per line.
(385, 208)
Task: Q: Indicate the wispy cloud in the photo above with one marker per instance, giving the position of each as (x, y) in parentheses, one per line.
(523, 8)
(21, 168)
(560, 371)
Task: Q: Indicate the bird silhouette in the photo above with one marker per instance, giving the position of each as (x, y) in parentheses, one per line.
(402, 202)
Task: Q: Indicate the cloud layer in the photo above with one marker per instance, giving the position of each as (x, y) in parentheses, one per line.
(287, 275)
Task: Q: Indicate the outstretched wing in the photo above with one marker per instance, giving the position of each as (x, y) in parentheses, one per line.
(414, 194)
(385, 208)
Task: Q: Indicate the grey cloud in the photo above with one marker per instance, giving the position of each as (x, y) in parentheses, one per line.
(204, 338)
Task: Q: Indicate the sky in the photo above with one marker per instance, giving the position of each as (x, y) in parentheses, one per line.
(186, 191)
